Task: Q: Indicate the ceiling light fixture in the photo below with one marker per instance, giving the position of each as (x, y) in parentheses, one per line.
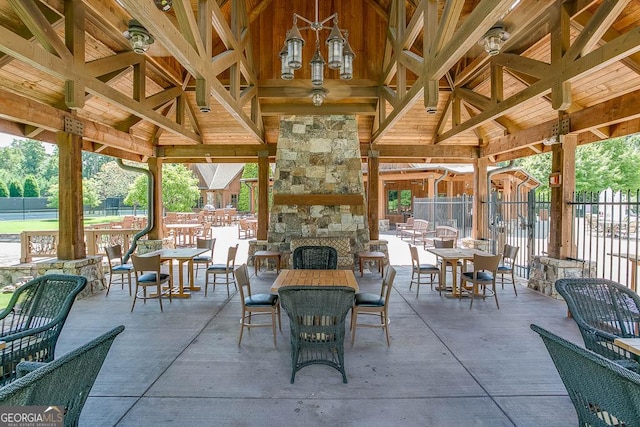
(163, 5)
(493, 39)
(339, 55)
(138, 37)
(318, 95)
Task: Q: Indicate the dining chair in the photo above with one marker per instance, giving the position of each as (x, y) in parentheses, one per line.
(117, 267)
(206, 257)
(447, 244)
(245, 231)
(223, 269)
(317, 320)
(509, 255)
(315, 258)
(148, 274)
(483, 275)
(418, 270)
(374, 304)
(255, 304)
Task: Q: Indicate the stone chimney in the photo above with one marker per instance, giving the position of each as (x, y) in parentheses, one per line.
(318, 190)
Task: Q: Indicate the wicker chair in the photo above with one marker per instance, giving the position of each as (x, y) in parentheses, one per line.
(32, 321)
(317, 320)
(315, 258)
(64, 382)
(604, 310)
(602, 392)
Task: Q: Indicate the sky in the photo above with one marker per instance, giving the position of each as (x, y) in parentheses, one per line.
(6, 140)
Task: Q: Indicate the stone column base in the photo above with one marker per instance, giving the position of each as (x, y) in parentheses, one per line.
(545, 271)
(90, 267)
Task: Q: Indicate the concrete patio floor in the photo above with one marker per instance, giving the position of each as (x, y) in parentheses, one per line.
(447, 365)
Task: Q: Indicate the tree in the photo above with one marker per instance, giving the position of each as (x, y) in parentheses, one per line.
(179, 189)
(34, 155)
(113, 181)
(31, 188)
(15, 189)
(4, 191)
(244, 203)
(89, 194)
(92, 163)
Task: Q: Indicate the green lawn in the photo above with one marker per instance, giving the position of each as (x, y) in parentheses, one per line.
(14, 227)
(4, 300)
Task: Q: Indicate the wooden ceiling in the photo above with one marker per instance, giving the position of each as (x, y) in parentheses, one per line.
(209, 88)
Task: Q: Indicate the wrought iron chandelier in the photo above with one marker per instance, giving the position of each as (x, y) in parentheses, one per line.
(340, 54)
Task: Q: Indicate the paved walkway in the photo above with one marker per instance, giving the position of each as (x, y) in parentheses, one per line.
(447, 365)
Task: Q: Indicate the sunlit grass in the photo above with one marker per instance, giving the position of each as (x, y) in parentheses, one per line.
(13, 227)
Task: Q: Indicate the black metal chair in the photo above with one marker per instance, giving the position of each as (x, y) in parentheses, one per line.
(315, 258)
(602, 392)
(317, 320)
(604, 310)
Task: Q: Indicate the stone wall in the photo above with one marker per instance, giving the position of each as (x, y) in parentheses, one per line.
(89, 267)
(318, 155)
(545, 271)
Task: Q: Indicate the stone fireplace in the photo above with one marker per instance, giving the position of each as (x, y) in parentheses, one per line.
(318, 190)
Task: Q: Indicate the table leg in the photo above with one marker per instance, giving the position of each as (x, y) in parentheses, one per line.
(454, 274)
(634, 274)
(192, 281)
(361, 273)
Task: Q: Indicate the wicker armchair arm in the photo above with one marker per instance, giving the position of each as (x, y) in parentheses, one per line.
(29, 332)
(24, 368)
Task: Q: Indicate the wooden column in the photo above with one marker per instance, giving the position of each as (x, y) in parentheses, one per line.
(263, 195)
(480, 199)
(431, 187)
(71, 227)
(563, 161)
(372, 194)
(155, 167)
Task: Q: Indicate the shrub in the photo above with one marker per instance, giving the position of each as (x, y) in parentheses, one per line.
(15, 189)
(31, 188)
(4, 191)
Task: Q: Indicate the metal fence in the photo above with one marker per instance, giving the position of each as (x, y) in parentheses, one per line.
(605, 228)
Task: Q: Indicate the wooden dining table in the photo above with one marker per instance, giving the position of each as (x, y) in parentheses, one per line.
(315, 278)
(452, 256)
(632, 345)
(182, 255)
(634, 260)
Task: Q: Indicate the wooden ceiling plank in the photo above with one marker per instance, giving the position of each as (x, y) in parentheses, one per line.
(448, 22)
(612, 112)
(40, 27)
(164, 31)
(326, 108)
(189, 25)
(522, 64)
(478, 100)
(597, 26)
(211, 150)
(483, 16)
(24, 110)
(113, 63)
(621, 47)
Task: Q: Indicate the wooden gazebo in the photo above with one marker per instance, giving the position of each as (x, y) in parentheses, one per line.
(424, 88)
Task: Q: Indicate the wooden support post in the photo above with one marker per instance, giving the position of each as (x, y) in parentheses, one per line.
(372, 194)
(263, 195)
(70, 210)
(560, 218)
(431, 187)
(155, 167)
(480, 199)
